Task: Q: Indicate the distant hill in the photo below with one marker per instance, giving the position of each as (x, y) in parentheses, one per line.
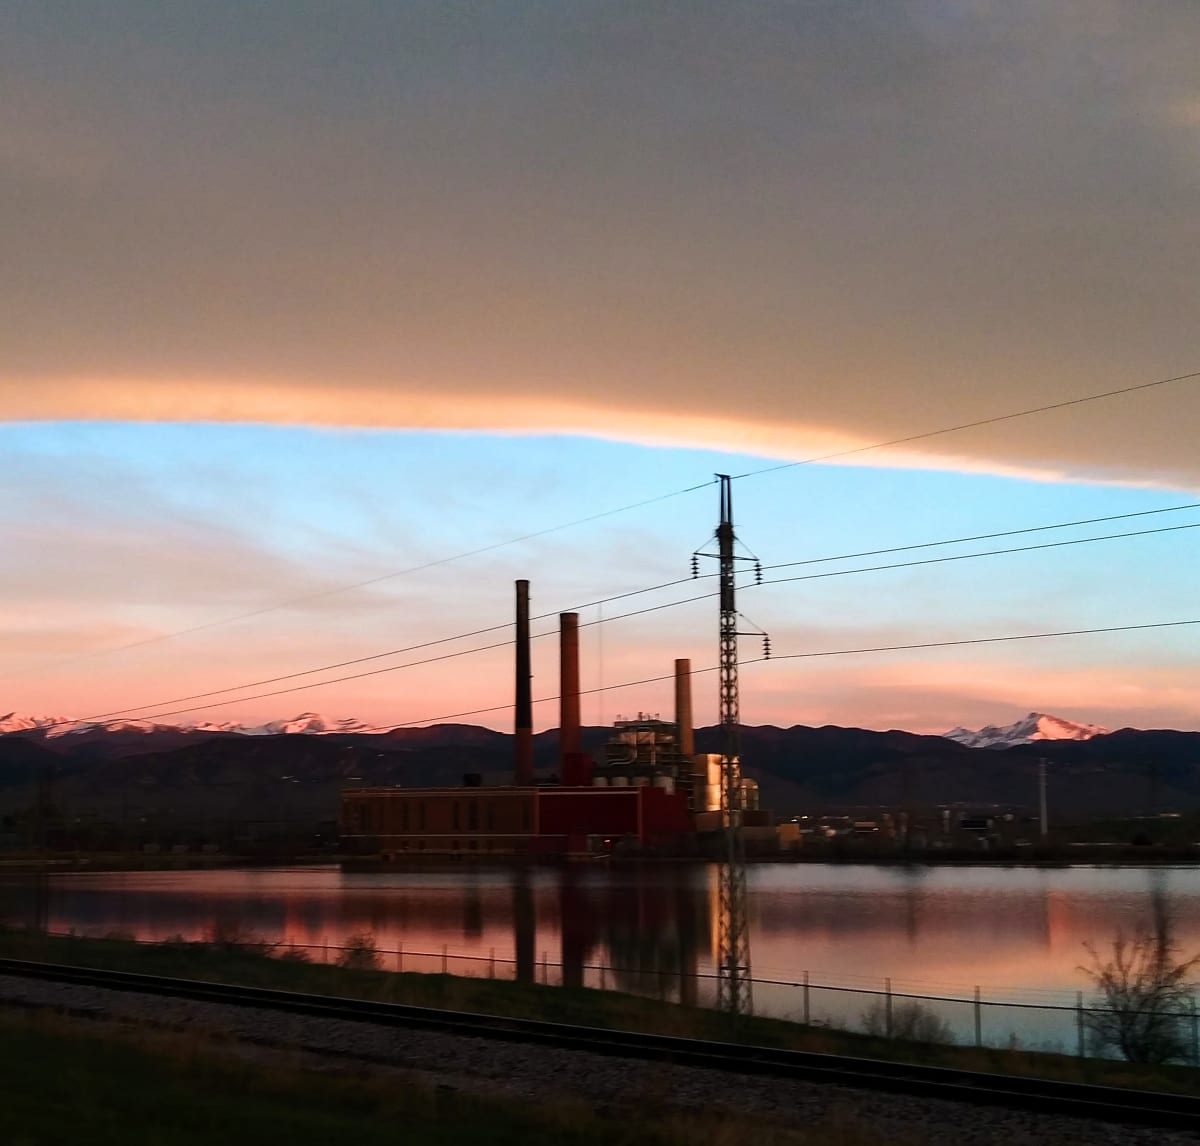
(183, 774)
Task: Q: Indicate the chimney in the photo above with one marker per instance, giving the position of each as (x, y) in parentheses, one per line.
(569, 738)
(683, 707)
(523, 724)
(573, 766)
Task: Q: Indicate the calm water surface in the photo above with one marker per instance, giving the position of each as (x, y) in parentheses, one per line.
(1018, 933)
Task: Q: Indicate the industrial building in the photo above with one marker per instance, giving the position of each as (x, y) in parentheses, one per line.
(533, 821)
(651, 791)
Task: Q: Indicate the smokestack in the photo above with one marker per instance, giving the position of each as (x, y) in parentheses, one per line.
(569, 736)
(683, 707)
(523, 724)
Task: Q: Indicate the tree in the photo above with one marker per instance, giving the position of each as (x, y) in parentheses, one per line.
(1144, 991)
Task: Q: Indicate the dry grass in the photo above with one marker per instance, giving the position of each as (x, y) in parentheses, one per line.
(258, 966)
(106, 1084)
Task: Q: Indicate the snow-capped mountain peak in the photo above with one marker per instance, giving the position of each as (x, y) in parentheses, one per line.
(1035, 726)
(17, 722)
(311, 723)
(307, 723)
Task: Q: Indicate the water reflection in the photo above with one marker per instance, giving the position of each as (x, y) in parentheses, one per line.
(651, 929)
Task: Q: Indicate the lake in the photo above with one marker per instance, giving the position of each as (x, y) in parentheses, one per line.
(1016, 933)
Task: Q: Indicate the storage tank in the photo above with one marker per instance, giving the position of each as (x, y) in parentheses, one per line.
(599, 781)
(620, 781)
(666, 783)
(641, 781)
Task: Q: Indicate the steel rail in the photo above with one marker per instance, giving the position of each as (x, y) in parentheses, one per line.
(1063, 1099)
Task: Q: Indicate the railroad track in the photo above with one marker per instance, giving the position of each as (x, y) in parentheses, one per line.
(1077, 1100)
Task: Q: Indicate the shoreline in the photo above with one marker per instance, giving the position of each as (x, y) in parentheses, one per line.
(52, 863)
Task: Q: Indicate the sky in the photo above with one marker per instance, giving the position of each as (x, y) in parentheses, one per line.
(299, 299)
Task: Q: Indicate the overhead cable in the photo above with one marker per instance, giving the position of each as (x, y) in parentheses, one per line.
(808, 655)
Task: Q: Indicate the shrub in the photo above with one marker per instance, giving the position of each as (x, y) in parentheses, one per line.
(911, 1021)
(359, 953)
(230, 938)
(1143, 993)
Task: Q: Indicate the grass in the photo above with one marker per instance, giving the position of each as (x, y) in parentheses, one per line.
(103, 1085)
(227, 962)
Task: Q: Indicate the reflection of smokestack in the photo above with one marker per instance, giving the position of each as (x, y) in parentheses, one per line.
(683, 707)
(569, 738)
(523, 726)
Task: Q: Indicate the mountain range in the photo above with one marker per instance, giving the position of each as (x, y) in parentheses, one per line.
(1036, 726)
(308, 723)
(295, 769)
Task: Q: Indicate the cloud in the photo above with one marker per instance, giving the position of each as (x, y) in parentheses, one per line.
(784, 230)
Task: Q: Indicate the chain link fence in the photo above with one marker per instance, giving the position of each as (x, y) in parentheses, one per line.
(972, 1018)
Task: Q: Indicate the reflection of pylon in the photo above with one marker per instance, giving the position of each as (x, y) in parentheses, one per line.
(733, 947)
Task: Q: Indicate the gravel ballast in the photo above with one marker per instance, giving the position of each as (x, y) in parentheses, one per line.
(492, 1067)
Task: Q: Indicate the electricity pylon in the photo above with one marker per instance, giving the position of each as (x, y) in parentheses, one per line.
(734, 984)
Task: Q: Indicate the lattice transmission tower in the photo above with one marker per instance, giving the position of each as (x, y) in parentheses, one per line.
(734, 984)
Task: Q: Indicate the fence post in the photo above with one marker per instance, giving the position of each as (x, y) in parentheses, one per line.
(603, 983)
(887, 987)
(806, 1010)
(443, 958)
(1079, 1022)
(978, 1020)
(400, 957)
(1195, 1032)
(491, 962)
(545, 968)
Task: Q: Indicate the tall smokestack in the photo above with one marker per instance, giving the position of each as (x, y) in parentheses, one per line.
(683, 706)
(569, 735)
(523, 725)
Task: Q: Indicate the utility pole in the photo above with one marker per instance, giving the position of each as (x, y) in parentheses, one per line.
(1042, 822)
(734, 993)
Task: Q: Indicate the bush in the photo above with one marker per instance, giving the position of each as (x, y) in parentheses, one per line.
(359, 953)
(295, 955)
(230, 938)
(1143, 994)
(911, 1021)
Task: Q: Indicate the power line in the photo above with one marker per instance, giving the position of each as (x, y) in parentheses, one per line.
(972, 425)
(969, 556)
(360, 675)
(621, 509)
(263, 682)
(585, 624)
(381, 656)
(822, 653)
(303, 687)
(982, 640)
(983, 536)
(304, 599)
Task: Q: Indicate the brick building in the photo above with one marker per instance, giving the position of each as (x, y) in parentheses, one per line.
(394, 822)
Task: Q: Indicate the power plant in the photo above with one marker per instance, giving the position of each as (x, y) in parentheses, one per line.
(648, 792)
(651, 793)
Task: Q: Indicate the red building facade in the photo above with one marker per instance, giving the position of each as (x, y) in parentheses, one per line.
(396, 822)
